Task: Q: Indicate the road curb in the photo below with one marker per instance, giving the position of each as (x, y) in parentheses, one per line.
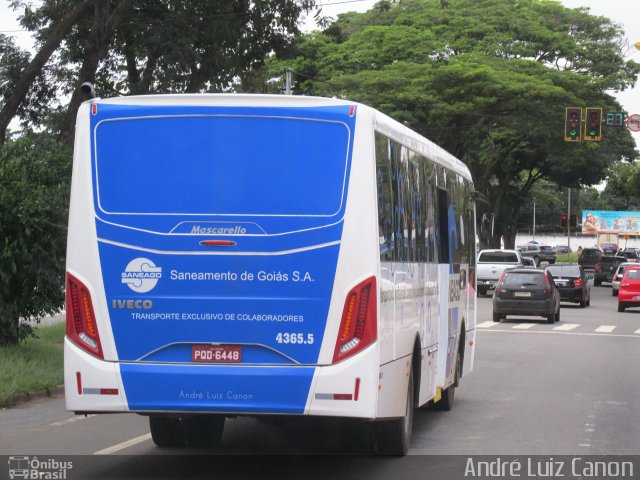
(24, 397)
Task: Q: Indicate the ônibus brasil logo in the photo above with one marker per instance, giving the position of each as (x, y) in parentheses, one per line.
(141, 274)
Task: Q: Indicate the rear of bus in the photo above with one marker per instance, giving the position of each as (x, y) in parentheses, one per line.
(210, 268)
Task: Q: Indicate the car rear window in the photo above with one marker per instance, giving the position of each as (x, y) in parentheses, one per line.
(587, 252)
(612, 259)
(633, 274)
(547, 249)
(564, 270)
(517, 279)
(498, 257)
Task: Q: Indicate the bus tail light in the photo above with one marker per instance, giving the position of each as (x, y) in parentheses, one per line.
(359, 325)
(81, 320)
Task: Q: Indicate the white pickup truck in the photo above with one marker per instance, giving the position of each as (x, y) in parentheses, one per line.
(491, 264)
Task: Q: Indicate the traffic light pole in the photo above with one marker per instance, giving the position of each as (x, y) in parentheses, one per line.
(568, 220)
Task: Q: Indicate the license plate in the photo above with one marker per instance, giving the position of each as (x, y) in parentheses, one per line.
(521, 294)
(637, 297)
(216, 353)
(560, 284)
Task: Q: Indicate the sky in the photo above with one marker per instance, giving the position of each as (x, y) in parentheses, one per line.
(624, 12)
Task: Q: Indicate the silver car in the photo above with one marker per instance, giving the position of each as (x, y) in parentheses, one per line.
(615, 283)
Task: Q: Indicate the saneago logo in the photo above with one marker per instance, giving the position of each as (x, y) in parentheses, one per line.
(142, 275)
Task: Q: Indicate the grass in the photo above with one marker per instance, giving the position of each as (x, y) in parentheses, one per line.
(567, 257)
(33, 365)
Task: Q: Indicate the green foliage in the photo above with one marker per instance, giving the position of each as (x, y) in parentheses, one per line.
(486, 79)
(13, 60)
(34, 194)
(623, 186)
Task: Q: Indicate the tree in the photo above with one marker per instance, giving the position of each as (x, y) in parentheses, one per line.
(34, 194)
(486, 79)
(623, 186)
(147, 46)
(20, 87)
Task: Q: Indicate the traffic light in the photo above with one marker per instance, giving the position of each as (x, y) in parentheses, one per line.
(572, 124)
(573, 220)
(563, 220)
(593, 125)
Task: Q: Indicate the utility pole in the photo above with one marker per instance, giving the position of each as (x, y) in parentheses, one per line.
(569, 220)
(534, 217)
(287, 72)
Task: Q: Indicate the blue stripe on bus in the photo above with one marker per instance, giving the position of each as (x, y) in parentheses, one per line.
(224, 389)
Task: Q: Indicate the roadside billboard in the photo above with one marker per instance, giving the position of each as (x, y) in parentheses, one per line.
(610, 221)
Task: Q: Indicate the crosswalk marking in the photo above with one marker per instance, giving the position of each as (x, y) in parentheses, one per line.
(566, 327)
(605, 328)
(488, 324)
(524, 326)
(562, 328)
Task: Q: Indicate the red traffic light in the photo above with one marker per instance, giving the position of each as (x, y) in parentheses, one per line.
(563, 220)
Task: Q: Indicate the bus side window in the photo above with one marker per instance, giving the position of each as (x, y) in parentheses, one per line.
(443, 226)
(385, 203)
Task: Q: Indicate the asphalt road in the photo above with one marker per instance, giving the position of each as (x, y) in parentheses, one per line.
(571, 388)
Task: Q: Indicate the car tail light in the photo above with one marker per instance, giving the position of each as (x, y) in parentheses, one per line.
(548, 285)
(500, 280)
(577, 282)
(81, 320)
(359, 325)
(598, 269)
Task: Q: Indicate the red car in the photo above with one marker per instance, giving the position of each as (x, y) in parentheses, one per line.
(629, 291)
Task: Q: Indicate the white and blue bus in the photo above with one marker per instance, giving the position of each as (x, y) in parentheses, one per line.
(245, 255)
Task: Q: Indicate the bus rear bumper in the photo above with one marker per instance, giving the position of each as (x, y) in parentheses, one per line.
(91, 384)
(347, 389)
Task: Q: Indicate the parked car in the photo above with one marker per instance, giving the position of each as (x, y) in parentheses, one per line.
(617, 276)
(609, 248)
(562, 249)
(629, 291)
(528, 262)
(589, 257)
(606, 268)
(526, 291)
(539, 253)
(572, 283)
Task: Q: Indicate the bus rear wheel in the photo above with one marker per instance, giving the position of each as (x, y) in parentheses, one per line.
(167, 432)
(204, 430)
(196, 431)
(393, 437)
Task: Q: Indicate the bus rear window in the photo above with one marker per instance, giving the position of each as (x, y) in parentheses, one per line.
(224, 165)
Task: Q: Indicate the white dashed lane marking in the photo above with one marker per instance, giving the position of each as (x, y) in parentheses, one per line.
(566, 327)
(605, 328)
(524, 326)
(488, 324)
